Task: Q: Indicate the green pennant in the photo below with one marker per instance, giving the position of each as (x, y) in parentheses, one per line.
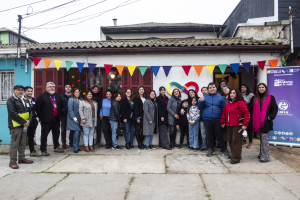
(69, 64)
(222, 67)
(219, 80)
(143, 69)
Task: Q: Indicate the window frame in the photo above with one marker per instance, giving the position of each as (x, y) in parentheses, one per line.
(3, 72)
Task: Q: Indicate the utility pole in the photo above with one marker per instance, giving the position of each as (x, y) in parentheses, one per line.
(291, 29)
(19, 36)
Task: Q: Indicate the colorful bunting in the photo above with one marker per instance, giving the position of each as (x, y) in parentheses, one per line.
(68, 64)
(222, 67)
(58, 63)
(120, 68)
(211, 68)
(273, 63)
(246, 65)
(226, 79)
(107, 68)
(261, 64)
(283, 62)
(143, 69)
(36, 60)
(186, 69)
(47, 62)
(155, 70)
(91, 67)
(80, 66)
(131, 69)
(167, 70)
(198, 69)
(235, 67)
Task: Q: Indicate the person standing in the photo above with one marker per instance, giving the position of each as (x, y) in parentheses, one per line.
(98, 99)
(138, 114)
(226, 89)
(115, 120)
(234, 111)
(127, 106)
(104, 115)
(220, 88)
(16, 105)
(193, 116)
(183, 122)
(48, 108)
(73, 118)
(162, 102)
(264, 112)
(204, 91)
(150, 120)
(211, 106)
(88, 115)
(63, 120)
(173, 111)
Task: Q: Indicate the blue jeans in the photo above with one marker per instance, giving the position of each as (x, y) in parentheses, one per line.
(76, 140)
(193, 135)
(128, 125)
(88, 134)
(203, 135)
(149, 138)
(114, 126)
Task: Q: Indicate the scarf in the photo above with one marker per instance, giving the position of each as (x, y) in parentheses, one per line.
(259, 115)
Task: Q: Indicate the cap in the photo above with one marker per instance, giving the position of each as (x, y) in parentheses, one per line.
(18, 86)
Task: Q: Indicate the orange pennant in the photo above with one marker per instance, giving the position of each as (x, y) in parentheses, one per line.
(47, 62)
(198, 69)
(120, 68)
(273, 63)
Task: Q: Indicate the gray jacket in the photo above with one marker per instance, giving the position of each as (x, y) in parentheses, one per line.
(115, 112)
(149, 112)
(248, 97)
(85, 112)
(172, 108)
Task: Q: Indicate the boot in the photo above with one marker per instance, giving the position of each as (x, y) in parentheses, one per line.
(171, 141)
(127, 146)
(174, 140)
(91, 148)
(87, 149)
(131, 145)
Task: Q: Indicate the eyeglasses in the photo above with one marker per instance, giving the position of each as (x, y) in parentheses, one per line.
(51, 86)
(128, 92)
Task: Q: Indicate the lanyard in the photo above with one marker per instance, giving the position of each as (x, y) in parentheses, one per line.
(54, 101)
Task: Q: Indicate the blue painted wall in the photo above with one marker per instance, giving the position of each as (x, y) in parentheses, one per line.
(21, 78)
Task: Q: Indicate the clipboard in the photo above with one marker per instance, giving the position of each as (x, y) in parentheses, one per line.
(24, 116)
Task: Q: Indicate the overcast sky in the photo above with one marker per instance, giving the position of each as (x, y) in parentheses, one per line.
(165, 11)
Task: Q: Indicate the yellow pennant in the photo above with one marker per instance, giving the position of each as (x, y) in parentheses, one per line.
(131, 69)
(211, 68)
(58, 64)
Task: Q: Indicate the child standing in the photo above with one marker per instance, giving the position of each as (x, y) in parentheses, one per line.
(183, 122)
(193, 116)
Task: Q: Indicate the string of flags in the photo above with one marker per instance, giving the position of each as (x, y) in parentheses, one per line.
(155, 69)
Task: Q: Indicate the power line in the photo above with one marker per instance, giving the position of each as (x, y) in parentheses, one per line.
(22, 6)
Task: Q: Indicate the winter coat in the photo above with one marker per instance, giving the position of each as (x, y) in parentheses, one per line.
(233, 111)
(34, 122)
(193, 114)
(125, 109)
(115, 112)
(271, 112)
(138, 110)
(212, 106)
(15, 107)
(85, 112)
(172, 108)
(98, 99)
(149, 112)
(162, 109)
(183, 118)
(248, 97)
(64, 100)
(73, 111)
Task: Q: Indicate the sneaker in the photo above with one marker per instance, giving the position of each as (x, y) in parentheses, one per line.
(203, 149)
(153, 147)
(244, 143)
(149, 148)
(210, 152)
(64, 146)
(232, 162)
(250, 145)
(45, 153)
(35, 154)
(195, 149)
(97, 146)
(119, 148)
(226, 154)
(58, 150)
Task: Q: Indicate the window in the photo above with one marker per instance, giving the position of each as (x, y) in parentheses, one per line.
(7, 80)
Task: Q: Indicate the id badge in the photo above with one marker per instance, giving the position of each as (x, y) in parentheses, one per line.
(28, 105)
(55, 106)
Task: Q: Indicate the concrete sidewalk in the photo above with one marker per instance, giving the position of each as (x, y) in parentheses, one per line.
(142, 174)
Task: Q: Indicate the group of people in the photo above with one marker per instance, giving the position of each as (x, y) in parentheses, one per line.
(217, 115)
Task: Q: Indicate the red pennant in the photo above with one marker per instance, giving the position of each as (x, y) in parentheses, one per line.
(36, 60)
(186, 69)
(107, 68)
(261, 64)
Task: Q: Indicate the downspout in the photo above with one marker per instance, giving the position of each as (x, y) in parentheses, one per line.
(291, 30)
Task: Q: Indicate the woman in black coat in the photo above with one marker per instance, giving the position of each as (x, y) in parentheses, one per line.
(138, 114)
(263, 113)
(162, 102)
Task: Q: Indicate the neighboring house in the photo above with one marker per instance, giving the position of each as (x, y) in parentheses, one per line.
(8, 36)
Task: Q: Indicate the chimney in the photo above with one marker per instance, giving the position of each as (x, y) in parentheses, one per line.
(115, 22)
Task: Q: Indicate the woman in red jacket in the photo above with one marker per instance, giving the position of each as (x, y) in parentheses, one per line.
(236, 116)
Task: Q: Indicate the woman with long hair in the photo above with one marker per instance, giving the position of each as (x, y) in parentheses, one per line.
(236, 117)
(138, 115)
(220, 88)
(88, 114)
(264, 112)
(115, 120)
(104, 115)
(127, 107)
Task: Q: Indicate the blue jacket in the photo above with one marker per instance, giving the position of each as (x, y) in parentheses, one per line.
(73, 111)
(212, 106)
(105, 110)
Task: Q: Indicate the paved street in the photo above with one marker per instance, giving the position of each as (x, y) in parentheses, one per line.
(158, 174)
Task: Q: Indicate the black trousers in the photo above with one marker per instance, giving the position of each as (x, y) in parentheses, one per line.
(106, 131)
(30, 136)
(46, 128)
(163, 136)
(213, 130)
(184, 131)
(98, 130)
(63, 136)
(139, 132)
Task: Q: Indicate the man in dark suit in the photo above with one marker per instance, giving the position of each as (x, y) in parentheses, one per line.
(48, 109)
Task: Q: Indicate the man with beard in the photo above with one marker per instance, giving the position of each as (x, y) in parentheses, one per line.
(97, 98)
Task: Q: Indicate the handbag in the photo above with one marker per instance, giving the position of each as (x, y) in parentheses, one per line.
(120, 130)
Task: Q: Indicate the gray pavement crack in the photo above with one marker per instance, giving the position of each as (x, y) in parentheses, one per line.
(129, 186)
(223, 163)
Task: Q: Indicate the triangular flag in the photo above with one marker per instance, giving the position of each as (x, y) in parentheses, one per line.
(155, 70)
(246, 65)
(47, 62)
(211, 68)
(120, 68)
(69, 64)
(222, 67)
(219, 80)
(36, 60)
(91, 67)
(283, 62)
(261, 64)
(107, 68)
(235, 67)
(167, 70)
(226, 79)
(143, 69)
(233, 76)
(58, 63)
(198, 69)
(80, 66)
(186, 69)
(131, 69)
(273, 63)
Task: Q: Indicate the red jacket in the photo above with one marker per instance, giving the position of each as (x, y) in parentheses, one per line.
(233, 111)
